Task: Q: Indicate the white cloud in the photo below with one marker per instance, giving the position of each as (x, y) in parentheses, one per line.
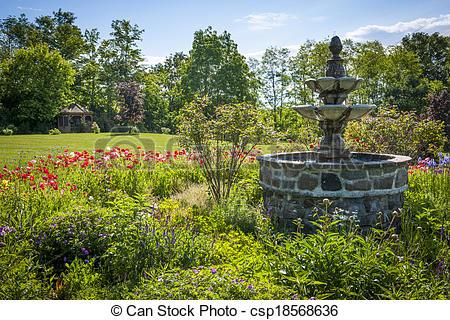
(363, 33)
(152, 60)
(30, 9)
(266, 20)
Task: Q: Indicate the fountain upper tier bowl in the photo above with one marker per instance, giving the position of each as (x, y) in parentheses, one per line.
(334, 112)
(334, 90)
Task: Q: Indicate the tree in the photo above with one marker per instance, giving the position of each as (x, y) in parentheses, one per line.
(60, 33)
(439, 108)
(216, 69)
(87, 84)
(273, 74)
(120, 59)
(131, 103)
(223, 142)
(36, 83)
(403, 85)
(120, 54)
(369, 63)
(15, 33)
(156, 104)
(433, 52)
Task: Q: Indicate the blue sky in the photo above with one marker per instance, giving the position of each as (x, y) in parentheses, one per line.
(254, 24)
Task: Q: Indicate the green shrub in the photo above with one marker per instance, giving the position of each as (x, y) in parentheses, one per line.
(80, 281)
(95, 128)
(165, 130)
(54, 131)
(7, 132)
(395, 132)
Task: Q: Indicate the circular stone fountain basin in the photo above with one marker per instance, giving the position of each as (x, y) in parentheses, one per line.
(368, 185)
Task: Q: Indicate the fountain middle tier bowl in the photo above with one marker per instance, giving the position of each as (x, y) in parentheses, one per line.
(331, 84)
(334, 112)
(367, 185)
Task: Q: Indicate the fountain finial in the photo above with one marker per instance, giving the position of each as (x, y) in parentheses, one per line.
(335, 65)
(335, 47)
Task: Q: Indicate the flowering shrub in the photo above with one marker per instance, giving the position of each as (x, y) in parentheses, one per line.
(395, 132)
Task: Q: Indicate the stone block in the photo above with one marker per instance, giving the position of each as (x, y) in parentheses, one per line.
(375, 172)
(354, 174)
(358, 185)
(401, 178)
(330, 182)
(288, 184)
(308, 181)
(275, 182)
(275, 165)
(291, 173)
(383, 183)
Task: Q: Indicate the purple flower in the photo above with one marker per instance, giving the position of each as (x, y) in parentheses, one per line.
(213, 270)
(5, 230)
(86, 261)
(195, 271)
(250, 287)
(84, 251)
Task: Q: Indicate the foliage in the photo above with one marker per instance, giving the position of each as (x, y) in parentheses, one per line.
(216, 69)
(432, 50)
(439, 108)
(131, 103)
(54, 131)
(396, 132)
(222, 142)
(95, 128)
(36, 84)
(272, 72)
(7, 132)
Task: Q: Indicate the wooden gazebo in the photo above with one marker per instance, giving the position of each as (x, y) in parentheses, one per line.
(75, 118)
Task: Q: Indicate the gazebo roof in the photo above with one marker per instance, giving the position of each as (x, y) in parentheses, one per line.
(75, 108)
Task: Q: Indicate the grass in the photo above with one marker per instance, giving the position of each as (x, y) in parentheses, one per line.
(19, 148)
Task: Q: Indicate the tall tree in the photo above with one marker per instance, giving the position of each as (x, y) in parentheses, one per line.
(36, 84)
(216, 69)
(369, 63)
(120, 58)
(60, 33)
(433, 52)
(273, 72)
(87, 83)
(15, 33)
(121, 54)
(402, 82)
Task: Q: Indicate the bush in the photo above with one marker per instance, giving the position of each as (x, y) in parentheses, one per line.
(221, 142)
(395, 132)
(165, 130)
(7, 132)
(95, 128)
(54, 131)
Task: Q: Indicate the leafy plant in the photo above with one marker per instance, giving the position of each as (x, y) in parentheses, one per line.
(221, 141)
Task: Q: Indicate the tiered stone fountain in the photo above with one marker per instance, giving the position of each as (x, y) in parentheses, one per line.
(366, 184)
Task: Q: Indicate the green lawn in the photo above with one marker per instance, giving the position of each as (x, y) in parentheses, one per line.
(19, 148)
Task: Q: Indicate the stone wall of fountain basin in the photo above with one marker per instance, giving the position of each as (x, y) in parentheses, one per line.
(369, 185)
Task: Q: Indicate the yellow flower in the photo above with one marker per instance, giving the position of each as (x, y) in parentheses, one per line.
(5, 183)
